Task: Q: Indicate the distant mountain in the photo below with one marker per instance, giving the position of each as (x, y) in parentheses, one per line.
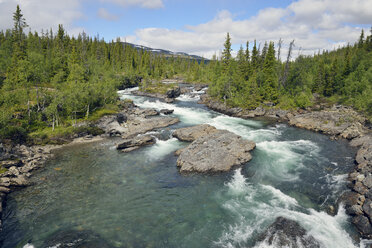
(166, 52)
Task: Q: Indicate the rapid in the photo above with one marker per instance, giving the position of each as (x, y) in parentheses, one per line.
(140, 199)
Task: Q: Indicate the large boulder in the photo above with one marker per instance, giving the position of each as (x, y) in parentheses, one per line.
(216, 152)
(135, 143)
(288, 233)
(194, 132)
(363, 225)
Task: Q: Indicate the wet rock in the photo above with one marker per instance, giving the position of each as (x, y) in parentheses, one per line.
(166, 111)
(111, 126)
(355, 210)
(367, 208)
(4, 189)
(217, 152)
(363, 225)
(143, 125)
(288, 233)
(10, 163)
(362, 140)
(76, 239)
(169, 100)
(360, 188)
(173, 93)
(136, 143)
(5, 181)
(19, 181)
(368, 181)
(364, 154)
(194, 132)
(351, 198)
(121, 118)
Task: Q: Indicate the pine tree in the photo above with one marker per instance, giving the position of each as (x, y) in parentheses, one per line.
(226, 54)
(361, 39)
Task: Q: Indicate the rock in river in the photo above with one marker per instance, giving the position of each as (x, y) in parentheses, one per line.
(194, 132)
(135, 143)
(288, 233)
(216, 152)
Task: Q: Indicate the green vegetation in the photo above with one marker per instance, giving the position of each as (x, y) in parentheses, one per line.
(51, 81)
(155, 87)
(259, 77)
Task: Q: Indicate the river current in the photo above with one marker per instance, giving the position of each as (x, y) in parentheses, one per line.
(139, 199)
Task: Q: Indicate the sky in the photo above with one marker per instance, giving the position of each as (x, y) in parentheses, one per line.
(199, 26)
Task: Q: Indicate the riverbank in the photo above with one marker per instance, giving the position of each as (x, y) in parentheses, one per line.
(18, 162)
(338, 122)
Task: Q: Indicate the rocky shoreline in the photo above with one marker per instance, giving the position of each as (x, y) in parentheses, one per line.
(19, 161)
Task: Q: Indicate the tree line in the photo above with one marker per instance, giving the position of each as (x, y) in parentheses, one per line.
(52, 79)
(258, 76)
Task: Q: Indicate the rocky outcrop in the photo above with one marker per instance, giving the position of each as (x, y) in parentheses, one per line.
(139, 125)
(135, 143)
(194, 132)
(358, 202)
(173, 93)
(19, 161)
(110, 125)
(166, 111)
(216, 152)
(288, 233)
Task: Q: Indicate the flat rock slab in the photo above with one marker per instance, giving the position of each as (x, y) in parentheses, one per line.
(142, 125)
(194, 132)
(135, 143)
(216, 152)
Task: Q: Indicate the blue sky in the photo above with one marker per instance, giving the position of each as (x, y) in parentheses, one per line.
(199, 27)
(175, 14)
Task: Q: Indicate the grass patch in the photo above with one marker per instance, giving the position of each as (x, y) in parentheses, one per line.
(110, 109)
(156, 87)
(3, 170)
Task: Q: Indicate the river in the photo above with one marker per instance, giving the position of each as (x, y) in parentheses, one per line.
(139, 199)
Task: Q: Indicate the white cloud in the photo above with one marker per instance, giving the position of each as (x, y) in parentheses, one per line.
(104, 14)
(150, 4)
(42, 14)
(314, 24)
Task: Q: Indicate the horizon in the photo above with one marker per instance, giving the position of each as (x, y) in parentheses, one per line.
(199, 28)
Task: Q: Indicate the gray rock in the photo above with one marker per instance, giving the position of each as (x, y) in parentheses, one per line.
(19, 181)
(10, 163)
(363, 225)
(288, 233)
(121, 118)
(351, 198)
(217, 152)
(169, 100)
(4, 189)
(143, 125)
(136, 142)
(355, 210)
(364, 154)
(166, 111)
(194, 132)
(362, 140)
(367, 208)
(5, 181)
(111, 126)
(360, 188)
(368, 181)
(173, 93)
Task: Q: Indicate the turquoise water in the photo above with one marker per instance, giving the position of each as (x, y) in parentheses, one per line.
(140, 199)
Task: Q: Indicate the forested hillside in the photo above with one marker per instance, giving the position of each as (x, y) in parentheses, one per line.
(259, 76)
(50, 81)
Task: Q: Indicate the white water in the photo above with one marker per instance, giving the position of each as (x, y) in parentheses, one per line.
(265, 203)
(255, 206)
